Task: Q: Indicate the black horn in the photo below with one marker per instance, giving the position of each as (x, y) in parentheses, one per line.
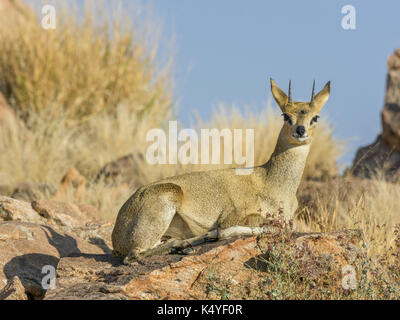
(313, 93)
(290, 92)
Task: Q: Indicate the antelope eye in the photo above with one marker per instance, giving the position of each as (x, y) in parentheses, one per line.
(315, 119)
(287, 119)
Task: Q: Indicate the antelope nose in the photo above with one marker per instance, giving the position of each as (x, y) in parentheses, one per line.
(300, 130)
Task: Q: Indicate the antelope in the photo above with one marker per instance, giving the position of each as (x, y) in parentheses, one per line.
(219, 204)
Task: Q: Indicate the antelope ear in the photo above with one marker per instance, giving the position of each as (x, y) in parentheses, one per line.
(280, 97)
(322, 97)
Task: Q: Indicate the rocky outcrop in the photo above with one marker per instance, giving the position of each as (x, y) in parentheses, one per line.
(121, 171)
(62, 213)
(37, 234)
(236, 264)
(25, 248)
(98, 234)
(66, 216)
(383, 156)
(68, 240)
(16, 210)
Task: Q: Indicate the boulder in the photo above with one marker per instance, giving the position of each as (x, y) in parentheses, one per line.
(16, 210)
(121, 171)
(25, 248)
(90, 212)
(383, 156)
(377, 159)
(236, 265)
(62, 213)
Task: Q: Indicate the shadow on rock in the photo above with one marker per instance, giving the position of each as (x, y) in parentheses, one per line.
(47, 249)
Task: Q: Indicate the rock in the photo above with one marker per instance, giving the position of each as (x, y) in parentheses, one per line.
(61, 213)
(14, 290)
(391, 110)
(73, 182)
(394, 60)
(234, 264)
(376, 159)
(98, 234)
(384, 154)
(91, 278)
(29, 191)
(16, 210)
(121, 171)
(25, 248)
(90, 211)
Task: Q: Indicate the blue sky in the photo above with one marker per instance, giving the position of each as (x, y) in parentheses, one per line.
(225, 50)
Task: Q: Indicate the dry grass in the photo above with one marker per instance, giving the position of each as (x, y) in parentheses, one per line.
(352, 203)
(84, 66)
(285, 272)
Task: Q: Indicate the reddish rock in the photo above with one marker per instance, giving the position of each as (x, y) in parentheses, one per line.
(236, 264)
(16, 210)
(383, 156)
(90, 211)
(98, 234)
(61, 213)
(25, 248)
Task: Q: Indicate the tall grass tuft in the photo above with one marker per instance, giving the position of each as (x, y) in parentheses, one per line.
(92, 62)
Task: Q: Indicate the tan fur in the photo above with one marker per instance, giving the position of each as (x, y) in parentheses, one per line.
(193, 204)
